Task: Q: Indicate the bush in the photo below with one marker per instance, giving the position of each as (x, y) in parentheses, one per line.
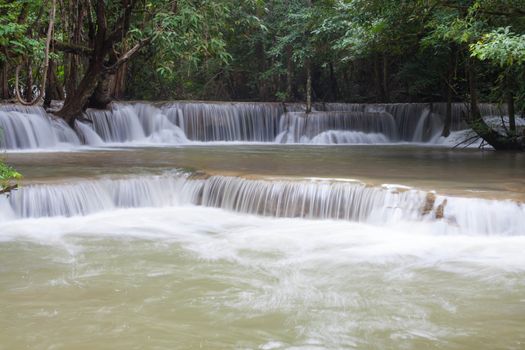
(8, 178)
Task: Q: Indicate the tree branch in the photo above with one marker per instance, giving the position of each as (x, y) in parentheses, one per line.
(91, 26)
(8, 189)
(121, 27)
(127, 56)
(72, 48)
(46, 62)
(100, 11)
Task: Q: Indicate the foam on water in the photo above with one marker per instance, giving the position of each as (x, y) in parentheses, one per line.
(225, 262)
(196, 122)
(360, 242)
(313, 199)
(336, 127)
(284, 283)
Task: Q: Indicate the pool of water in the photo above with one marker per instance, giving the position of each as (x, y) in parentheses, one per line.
(457, 172)
(189, 277)
(183, 276)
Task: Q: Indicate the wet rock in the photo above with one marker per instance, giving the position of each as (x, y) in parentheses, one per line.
(429, 203)
(440, 210)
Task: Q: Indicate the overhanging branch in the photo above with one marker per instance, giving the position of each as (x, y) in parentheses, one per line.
(127, 56)
(72, 48)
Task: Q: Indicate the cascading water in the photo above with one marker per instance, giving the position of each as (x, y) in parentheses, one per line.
(309, 198)
(257, 122)
(336, 127)
(185, 122)
(228, 262)
(418, 122)
(30, 127)
(135, 123)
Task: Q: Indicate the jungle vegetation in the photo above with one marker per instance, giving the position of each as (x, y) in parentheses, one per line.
(89, 52)
(8, 178)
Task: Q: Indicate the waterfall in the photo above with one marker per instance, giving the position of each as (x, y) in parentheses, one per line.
(429, 127)
(338, 137)
(299, 127)
(24, 127)
(187, 122)
(408, 115)
(87, 197)
(258, 122)
(306, 198)
(140, 123)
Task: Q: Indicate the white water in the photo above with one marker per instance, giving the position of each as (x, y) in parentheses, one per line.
(30, 127)
(336, 127)
(189, 277)
(338, 137)
(190, 122)
(313, 199)
(181, 261)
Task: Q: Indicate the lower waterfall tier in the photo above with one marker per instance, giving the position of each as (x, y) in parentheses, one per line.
(303, 198)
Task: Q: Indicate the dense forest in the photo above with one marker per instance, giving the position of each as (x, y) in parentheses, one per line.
(89, 52)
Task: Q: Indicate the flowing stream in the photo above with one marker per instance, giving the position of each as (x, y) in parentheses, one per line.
(177, 123)
(192, 225)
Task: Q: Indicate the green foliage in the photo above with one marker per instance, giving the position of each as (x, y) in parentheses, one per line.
(358, 50)
(253, 43)
(16, 22)
(8, 176)
(501, 47)
(188, 47)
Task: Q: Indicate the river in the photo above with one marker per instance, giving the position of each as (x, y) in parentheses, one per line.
(180, 238)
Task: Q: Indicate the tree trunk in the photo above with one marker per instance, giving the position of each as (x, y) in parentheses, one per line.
(333, 83)
(289, 74)
(308, 86)
(475, 114)
(72, 73)
(347, 78)
(385, 90)
(448, 115)
(510, 103)
(77, 13)
(22, 17)
(28, 92)
(4, 86)
(76, 101)
(54, 89)
(102, 44)
(476, 122)
(117, 83)
(377, 80)
(101, 97)
(261, 62)
(450, 92)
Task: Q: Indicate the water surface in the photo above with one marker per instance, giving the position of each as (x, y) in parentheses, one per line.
(182, 276)
(467, 172)
(189, 278)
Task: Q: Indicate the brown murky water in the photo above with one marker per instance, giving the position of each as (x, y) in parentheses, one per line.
(188, 277)
(455, 172)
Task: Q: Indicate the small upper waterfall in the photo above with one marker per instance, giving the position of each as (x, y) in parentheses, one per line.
(304, 198)
(337, 127)
(186, 122)
(30, 127)
(256, 122)
(134, 123)
(413, 119)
